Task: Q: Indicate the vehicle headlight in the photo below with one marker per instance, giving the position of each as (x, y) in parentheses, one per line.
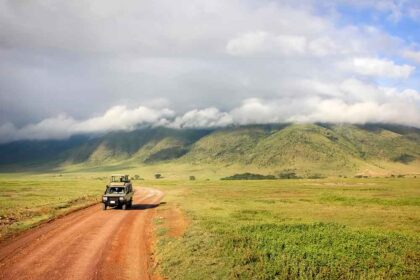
(121, 198)
(104, 198)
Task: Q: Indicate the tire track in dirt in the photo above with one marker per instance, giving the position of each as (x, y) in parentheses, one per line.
(87, 244)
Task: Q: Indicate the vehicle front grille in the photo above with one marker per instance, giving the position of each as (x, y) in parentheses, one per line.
(113, 199)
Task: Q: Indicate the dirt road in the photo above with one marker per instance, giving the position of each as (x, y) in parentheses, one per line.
(87, 244)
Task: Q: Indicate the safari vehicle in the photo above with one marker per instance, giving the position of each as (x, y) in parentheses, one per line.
(119, 192)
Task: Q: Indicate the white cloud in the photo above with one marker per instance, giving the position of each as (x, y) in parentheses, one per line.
(62, 126)
(255, 61)
(249, 43)
(338, 111)
(378, 67)
(413, 55)
(290, 44)
(258, 111)
(324, 46)
(349, 41)
(209, 117)
(262, 42)
(350, 101)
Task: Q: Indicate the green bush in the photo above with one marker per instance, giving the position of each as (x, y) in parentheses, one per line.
(249, 176)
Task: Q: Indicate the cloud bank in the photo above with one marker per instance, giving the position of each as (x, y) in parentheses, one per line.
(78, 67)
(350, 102)
(62, 126)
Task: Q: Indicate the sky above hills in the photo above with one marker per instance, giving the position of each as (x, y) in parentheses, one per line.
(71, 67)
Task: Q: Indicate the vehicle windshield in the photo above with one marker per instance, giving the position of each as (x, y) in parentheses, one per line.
(115, 190)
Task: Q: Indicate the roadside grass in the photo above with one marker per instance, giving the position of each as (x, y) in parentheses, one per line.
(27, 199)
(288, 229)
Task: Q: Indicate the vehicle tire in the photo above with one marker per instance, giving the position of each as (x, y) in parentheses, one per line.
(104, 206)
(124, 206)
(130, 204)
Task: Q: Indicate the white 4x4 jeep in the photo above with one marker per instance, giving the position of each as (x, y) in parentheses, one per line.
(119, 192)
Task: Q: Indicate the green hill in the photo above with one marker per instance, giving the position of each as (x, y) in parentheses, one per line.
(304, 148)
(311, 148)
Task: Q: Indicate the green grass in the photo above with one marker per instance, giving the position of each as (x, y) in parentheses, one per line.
(268, 251)
(26, 200)
(288, 229)
(270, 229)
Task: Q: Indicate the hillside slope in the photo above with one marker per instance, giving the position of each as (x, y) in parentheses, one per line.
(305, 148)
(311, 148)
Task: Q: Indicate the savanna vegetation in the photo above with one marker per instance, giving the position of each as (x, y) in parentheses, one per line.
(27, 200)
(288, 229)
(336, 228)
(349, 209)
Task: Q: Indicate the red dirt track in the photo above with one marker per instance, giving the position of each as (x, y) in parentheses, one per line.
(87, 244)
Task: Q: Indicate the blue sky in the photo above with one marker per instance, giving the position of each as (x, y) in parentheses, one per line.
(405, 27)
(75, 67)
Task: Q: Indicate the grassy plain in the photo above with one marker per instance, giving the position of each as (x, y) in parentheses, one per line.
(309, 229)
(29, 199)
(276, 229)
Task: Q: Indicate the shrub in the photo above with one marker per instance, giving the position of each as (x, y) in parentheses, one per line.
(192, 178)
(249, 176)
(158, 176)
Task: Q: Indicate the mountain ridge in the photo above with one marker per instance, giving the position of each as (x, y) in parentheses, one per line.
(308, 148)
